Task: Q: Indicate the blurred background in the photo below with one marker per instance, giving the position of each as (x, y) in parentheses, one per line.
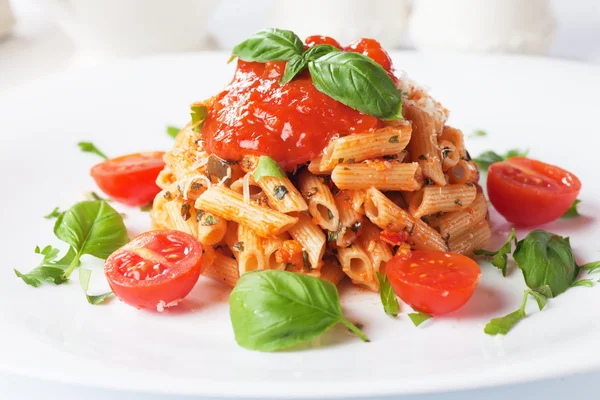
(41, 37)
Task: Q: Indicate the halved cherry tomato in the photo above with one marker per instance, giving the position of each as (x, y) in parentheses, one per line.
(156, 269)
(529, 192)
(434, 282)
(372, 48)
(318, 39)
(130, 179)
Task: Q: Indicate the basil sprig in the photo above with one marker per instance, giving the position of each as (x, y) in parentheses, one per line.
(272, 310)
(487, 158)
(351, 78)
(387, 296)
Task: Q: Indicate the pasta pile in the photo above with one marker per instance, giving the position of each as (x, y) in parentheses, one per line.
(410, 183)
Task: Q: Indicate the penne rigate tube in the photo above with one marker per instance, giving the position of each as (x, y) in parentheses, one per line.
(270, 247)
(350, 220)
(332, 271)
(226, 203)
(455, 137)
(223, 269)
(357, 265)
(321, 204)
(456, 223)
(424, 147)
(393, 176)
(369, 145)
(251, 256)
(377, 250)
(387, 215)
(311, 237)
(434, 199)
(476, 237)
(464, 171)
(283, 195)
(211, 229)
(450, 156)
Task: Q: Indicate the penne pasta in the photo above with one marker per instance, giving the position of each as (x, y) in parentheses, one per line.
(378, 251)
(332, 271)
(223, 269)
(250, 251)
(468, 241)
(311, 237)
(463, 172)
(350, 220)
(357, 265)
(283, 195)
(424, 146)
(182, 215)
(434, 199)
(387, 215)
(226, 203)
(393, 176)
(321, 204)
(211, 229)
(456, 223)
(455, 137)
(450, 156)
(270, 247)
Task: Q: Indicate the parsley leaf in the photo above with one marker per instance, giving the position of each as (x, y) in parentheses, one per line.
(53, 214)
(478, 133)
(583, 282)
(89, 147)
(591, 267)
(387, 295)
(173, 131)
(490, 157)
(267, 167)
(418, 318)
(500, 256)
(503, 325)
(572, 211)
(84, 282)
(49, 269)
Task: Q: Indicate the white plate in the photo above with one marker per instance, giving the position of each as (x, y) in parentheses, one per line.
(52, 333)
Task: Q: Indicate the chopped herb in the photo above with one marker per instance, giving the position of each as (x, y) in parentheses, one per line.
(394, 139)
(173, 131)
(311, 192)
(458, 202)
(445, 152)
(572, 211)
(332, 236)
(447, 240)
(428, 181)
(89, 147)
(326, 179)
(340, 160)
(350, 161)
(329, 214)
(305, 259)
(49, 269)
(355, 227)
(478, 133)
(490, 157)
(209, 220)
(422, 157)
(583, 282)
(167, 195)
(279, 192)
(199, 214)
(390, 157)
(500, 256)
(419, 317)
(185, 211)
(147, 207)
(239, 246)
(195, 186)
(53, 214)
(387, 296)
(470, 184)
(412, 230)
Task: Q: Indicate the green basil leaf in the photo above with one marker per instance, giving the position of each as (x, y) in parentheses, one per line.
(89, 147)
(572, 211)
(91, 227)
(272, 310)
(583, 282)
(500, 256)
(319, 51)
(267, 167)
(591, 267)
(269, 45)
(173, 131)
(387, 295)
(292, 68)
(48, 270)
(419, 317)
(84, 282)
(53, 214)
(198, 114)
(546, 259)
(358, 82)
(502, 325)
(490, 157)
(540, 298)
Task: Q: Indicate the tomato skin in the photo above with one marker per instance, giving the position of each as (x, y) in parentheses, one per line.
(130, 179)
(372, 48)
(319, 39)
(156, 267)
(433, 282)
(529, 192)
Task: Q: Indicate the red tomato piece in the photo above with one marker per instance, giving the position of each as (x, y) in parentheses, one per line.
(432, 281)
(393, 238)
(372, 48)
(157, 269)
(529, 192)
(318, 39)
(130, 179)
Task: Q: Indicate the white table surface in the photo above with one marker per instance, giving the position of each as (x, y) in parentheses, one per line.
(38, 48)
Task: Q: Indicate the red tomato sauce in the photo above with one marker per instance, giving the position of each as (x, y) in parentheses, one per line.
(290, 123)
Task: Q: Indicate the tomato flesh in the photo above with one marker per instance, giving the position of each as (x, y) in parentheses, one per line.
(431, 281)
(529, 192)
(290, 123)
(130, 179)
(156, 269)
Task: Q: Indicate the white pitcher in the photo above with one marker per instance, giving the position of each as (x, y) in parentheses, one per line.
(516, 26)
(132, 27)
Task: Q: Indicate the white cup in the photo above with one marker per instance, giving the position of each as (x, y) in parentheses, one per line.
(7, 20)
(112, 28)
(514, 26)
